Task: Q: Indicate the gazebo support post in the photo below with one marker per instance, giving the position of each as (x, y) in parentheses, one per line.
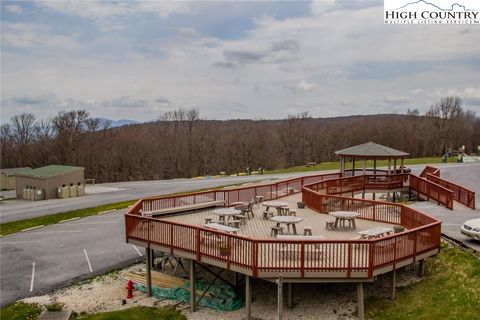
(364, 166)
(193, 305)
(401, 165)
(290, 295)
(361, 313)
(342, 166)
(248, 297)
(353, 167)
(395, 166)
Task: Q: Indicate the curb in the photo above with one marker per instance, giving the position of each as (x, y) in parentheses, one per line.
(33, 228)
(67, 220)
(102, 212)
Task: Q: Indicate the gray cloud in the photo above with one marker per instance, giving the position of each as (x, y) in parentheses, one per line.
(162, 100)
(124, 102)
(278, 52)
(396, 100)
(29, 99)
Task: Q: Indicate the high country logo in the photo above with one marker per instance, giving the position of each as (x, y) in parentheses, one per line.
(431, 12)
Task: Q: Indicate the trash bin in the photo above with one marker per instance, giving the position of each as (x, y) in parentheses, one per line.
(73, 191)
(65, 192)
(81, 190)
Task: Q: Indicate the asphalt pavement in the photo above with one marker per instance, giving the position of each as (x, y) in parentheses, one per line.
(39, 261)
(18, 209)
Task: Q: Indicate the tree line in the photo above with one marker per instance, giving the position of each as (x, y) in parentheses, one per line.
(180, 144)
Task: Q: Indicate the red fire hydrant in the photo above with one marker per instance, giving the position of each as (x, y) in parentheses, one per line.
(129, 289)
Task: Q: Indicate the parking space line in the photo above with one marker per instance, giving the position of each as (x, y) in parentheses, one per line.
(136, 249)
(33, 277)
(88, 260)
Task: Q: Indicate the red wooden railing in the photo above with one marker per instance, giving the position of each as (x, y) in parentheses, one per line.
(263, 256)
(460, 194)
(268, 191)
(432, 191)
(430, 170)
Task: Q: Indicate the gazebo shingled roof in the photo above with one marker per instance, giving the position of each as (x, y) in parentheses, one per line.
(371, 150)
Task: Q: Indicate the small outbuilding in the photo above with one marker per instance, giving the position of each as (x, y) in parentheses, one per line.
(48, 179)
(8, 180)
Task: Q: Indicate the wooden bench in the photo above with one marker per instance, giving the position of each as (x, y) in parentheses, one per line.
(184, 208)
(294, 251)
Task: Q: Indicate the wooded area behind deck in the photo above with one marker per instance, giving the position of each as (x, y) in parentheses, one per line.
(181, 144)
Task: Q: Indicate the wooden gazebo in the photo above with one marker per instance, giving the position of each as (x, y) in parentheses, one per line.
(371, 151)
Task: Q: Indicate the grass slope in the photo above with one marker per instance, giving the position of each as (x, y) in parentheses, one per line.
(20, 311)
(336, 165)
(17, 226)
(451, 290)
(137, 313)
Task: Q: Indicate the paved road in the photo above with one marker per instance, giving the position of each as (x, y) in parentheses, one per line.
(13, 210)
(60, 251)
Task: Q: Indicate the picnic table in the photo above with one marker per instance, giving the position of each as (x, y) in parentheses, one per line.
(342, 216)
(276, 204)
(288, 220)
(221, 227)
(375, 232)
(226, 212)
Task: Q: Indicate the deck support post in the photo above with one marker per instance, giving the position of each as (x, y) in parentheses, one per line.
(290, 295)
(235, 279)
(280, 297)
(361, 315)
(421, 268)
(248, 297)
(393, 280)
(148, 266)
(193, 305)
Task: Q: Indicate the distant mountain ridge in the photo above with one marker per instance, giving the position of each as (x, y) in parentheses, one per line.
(121, 122)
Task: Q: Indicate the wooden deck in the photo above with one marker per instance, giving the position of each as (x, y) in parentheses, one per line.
(260, 228)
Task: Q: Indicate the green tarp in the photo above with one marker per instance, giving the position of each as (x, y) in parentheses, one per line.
(219, 296)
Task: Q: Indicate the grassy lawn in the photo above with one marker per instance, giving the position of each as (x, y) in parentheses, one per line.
(140, 313)
(336, 165)
(17, 226)
(20, 311)
(451, 290)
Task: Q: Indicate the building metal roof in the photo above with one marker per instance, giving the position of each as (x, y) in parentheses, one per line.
(14, 171)
(51, 171)
(371, 150)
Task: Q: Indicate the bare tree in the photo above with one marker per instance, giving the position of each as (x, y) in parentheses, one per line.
(444, 117)
(23, 128)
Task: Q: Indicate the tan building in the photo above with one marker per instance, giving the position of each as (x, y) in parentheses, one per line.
(48, 179)
(8, 180)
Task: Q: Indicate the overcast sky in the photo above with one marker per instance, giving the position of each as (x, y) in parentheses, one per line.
(135, 60)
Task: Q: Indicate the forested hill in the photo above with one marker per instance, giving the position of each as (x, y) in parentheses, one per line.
(181, 144)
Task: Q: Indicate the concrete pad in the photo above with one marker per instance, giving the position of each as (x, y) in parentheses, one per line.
(55, 315)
